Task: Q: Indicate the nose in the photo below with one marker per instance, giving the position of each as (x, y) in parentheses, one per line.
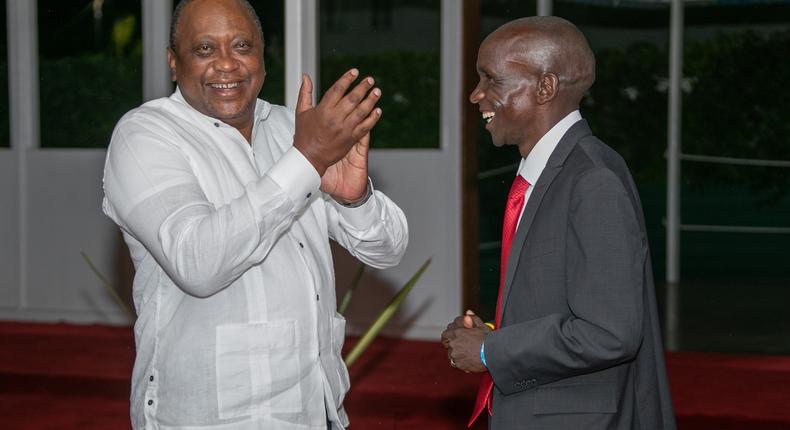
(477, 95)
(226, 62)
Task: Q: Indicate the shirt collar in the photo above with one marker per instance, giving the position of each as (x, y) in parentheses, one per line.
(532, 166)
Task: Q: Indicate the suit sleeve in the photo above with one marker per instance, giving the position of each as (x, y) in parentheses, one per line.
(605, 253)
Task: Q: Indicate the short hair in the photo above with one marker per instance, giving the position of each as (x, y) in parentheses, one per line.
(558, 43)
(183, 3)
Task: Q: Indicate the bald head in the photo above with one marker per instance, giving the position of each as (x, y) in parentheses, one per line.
(548, 44)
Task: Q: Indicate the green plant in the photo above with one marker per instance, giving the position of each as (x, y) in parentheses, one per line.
(108, 286)
(373, 330)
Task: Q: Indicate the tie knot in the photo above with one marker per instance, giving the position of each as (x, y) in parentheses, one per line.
(519, 186)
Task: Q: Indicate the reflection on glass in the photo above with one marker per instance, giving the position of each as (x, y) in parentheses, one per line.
(735, 90)
(398, 43)
(272, 17)
(90, 58)
(4, 133)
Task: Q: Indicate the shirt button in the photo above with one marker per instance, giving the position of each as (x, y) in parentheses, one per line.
(216, 124)
(151, 378)
(301, 245)
(317, 298)
(150, 402)
(308, 195)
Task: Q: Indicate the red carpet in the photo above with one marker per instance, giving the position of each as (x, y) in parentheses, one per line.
(59, 376)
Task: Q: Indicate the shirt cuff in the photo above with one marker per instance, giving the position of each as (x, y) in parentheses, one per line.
(296, 176)
(363, 216)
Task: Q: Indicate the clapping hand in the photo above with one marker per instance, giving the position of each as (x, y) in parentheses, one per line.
(335, 134)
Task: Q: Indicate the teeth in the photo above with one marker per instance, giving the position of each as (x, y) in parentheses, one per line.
(488, 116)
(225, 86)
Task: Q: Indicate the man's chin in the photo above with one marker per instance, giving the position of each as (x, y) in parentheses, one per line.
(230, 113)
(497, 142)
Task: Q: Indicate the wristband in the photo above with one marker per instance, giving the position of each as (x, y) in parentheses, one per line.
(490, 325)
(363, 200)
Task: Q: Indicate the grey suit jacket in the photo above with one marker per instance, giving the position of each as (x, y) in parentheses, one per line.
(579, 345)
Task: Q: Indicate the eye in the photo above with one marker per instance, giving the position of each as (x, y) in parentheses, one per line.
(204, 49)
(243, 45)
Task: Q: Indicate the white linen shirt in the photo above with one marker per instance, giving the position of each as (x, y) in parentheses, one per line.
(234, 283)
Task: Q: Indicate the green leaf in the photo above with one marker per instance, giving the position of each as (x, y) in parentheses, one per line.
(384, 317)
(108, 286)
(354, 282)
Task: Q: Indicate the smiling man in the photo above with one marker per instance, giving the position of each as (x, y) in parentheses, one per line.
(576, 342)
(227, 204)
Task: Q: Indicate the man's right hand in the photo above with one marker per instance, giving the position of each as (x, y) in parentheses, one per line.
(467, 320)
(325, 133)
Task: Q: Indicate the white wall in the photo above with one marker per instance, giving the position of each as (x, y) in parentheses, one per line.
(422, 183)
(64, 218)
(9, 238)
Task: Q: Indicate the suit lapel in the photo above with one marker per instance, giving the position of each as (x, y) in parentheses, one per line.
(550, 172)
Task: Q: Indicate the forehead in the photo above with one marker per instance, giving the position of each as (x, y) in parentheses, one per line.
(498, 51)
(211, 16)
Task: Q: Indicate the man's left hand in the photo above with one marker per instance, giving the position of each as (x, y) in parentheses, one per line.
(347, 180)
(463, 339)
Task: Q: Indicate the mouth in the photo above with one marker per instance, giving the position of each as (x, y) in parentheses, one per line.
(224, 86)
(488, 116)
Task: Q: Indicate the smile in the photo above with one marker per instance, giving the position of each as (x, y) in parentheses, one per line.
(225, 86)
(488, 116)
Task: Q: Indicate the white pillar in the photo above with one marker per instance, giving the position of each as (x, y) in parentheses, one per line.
(545, 7)
(156, 38)
(452, 100)
(23, 106)
(673, 141)
(301, 47)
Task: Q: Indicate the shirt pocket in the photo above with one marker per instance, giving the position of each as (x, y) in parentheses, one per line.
(258, 369)
(338, 337)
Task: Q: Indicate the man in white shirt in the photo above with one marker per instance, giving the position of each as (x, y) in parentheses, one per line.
(227, 204)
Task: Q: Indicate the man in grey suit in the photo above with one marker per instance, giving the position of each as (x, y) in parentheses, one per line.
(577, 343)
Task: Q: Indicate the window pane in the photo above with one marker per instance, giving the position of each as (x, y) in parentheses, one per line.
(398, 43)
(735, 90)
(90, 54)
(272, 18)
(5, 137)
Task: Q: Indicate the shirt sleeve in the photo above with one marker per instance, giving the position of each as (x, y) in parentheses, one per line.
(376, 232)
(153, 193)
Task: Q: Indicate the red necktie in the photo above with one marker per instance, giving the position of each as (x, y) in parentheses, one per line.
(515, 201)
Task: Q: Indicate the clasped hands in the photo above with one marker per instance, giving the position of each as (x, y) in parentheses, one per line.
(334, 135)
(463, 339)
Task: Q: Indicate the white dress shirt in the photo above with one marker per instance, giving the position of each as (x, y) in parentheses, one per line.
(532, 166)
(234, 283)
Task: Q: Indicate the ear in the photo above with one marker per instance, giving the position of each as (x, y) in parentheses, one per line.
(548, 87)
(171, 61)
